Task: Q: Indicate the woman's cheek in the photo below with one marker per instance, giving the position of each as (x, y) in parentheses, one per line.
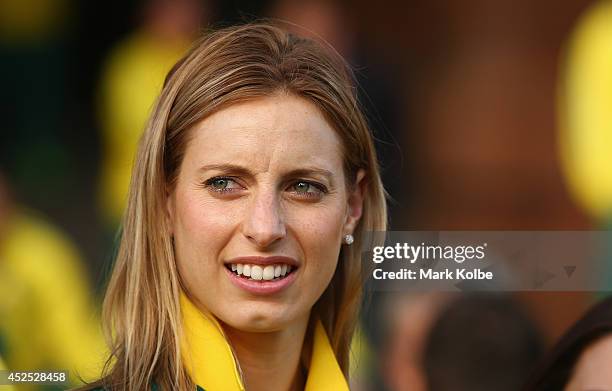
(322, 225)
(200, 231)
(209, 216)
(320, 235)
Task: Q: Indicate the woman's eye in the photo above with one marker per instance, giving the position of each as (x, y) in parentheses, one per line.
(307, 189)
(222, 184)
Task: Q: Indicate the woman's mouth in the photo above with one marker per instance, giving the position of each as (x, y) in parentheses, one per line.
(262, 275)
(254, 272)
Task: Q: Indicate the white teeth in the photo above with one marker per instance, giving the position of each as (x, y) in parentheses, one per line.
(256, 272)
(268, 272)
(259, 272)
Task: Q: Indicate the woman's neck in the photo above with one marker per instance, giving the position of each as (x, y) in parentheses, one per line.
(270, 361)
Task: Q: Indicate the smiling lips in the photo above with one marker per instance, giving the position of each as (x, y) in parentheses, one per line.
(262, 274)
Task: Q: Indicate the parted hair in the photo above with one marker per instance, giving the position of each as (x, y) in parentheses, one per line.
(141, 309)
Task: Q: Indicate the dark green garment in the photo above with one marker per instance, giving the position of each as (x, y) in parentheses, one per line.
(153, 388)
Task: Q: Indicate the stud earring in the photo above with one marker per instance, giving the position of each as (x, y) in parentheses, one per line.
(349, 239)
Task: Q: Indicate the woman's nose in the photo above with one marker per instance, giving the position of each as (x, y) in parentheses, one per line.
(263, 223)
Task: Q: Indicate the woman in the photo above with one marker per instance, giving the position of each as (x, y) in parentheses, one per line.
(255, 180)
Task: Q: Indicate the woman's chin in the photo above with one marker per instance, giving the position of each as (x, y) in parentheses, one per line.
(259, 321)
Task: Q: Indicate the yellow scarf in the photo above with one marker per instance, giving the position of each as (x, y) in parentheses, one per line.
(210, 362)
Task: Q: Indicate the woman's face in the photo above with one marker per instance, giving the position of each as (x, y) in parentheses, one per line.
(259, 211)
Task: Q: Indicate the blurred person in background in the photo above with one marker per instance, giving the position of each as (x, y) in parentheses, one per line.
(581, 359)
(132, 79)
(409, 317)
(459, 342)
(585, 114)
(481, 342)
(319, 19)
(585, 119)
(47, 319)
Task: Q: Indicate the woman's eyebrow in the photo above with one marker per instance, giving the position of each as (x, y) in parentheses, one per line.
(234, 168)
(312, 171)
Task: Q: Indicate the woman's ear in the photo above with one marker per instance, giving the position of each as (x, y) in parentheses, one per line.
(355, 202)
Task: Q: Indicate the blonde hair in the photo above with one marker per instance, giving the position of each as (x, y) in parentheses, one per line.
(141, 307)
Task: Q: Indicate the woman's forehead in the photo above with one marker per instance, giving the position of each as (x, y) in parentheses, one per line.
(271, 131)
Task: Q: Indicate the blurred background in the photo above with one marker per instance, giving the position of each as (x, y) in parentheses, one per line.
(489, 115)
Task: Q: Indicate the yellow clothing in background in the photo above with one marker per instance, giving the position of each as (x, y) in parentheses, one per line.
(4, 388)
(47, 320)
(132, 80)
(586, 111)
